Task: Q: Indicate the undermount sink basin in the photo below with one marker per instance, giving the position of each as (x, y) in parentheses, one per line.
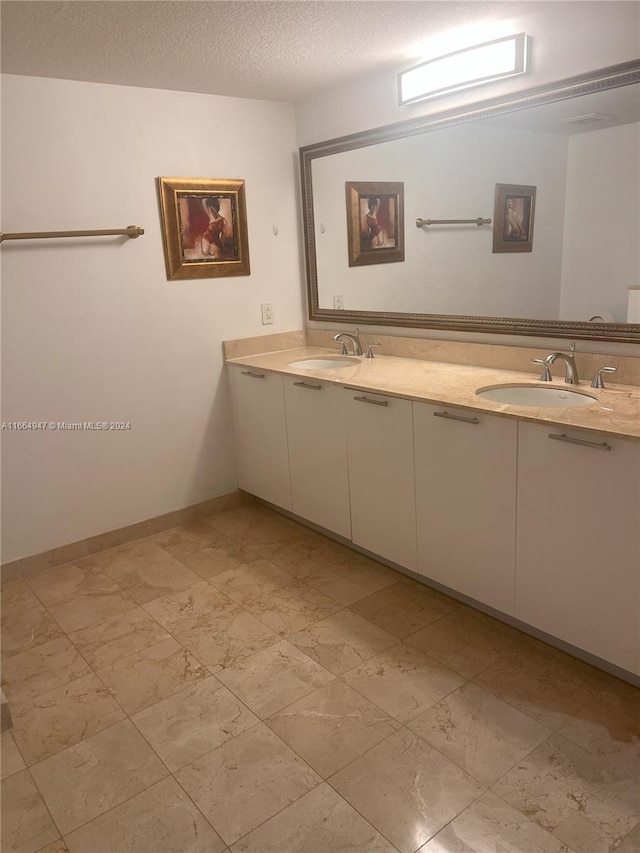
(324, 363)
(533, 395)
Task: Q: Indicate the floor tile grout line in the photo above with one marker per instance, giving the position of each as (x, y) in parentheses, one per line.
(117, 805)
(487, 788)
(287, 746)
(333, 772)
(403, 723)
(526, 817)
(231, 690)
(44, 802)
(322, 782)
(455, 817)
(506, 700)
(186, 764)
(523, 758)
(72, 597)
(414, 649)
(335, 790)
(95, 669)
(17, 746)
(106, 687)
(35, 697)
(173, 693)
(191, 800)
(510, 703)
(487, 785)
(89, 821)
(98, 731)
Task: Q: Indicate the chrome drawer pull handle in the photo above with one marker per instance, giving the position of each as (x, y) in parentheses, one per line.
(596, 445)
(254, 375)
(308, 385)
(456, 417)
(373, 402)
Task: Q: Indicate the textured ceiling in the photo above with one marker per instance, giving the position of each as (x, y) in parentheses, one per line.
(273, 50)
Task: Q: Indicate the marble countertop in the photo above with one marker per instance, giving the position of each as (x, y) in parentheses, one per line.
(615, 412)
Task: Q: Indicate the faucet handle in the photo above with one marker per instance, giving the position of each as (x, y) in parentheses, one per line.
(370, 349)
(339, 340)
(597, 381)
(545, 376)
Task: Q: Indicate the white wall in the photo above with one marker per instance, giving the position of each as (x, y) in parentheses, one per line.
(568, 38)
(602, 222)
(92, 329)
(450, 174)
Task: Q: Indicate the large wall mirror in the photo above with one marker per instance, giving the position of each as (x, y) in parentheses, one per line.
(577, 143)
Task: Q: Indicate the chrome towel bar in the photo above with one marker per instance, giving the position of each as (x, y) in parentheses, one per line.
(479, 221)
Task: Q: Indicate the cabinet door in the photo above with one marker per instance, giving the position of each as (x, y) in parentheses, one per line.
(578, 546)
(381, 479)
(318, 453)
(466, 501)
(261, 435)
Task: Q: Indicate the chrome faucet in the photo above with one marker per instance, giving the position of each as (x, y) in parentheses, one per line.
(545, 376)
(570, 367)
(597, 381)
(355, 341)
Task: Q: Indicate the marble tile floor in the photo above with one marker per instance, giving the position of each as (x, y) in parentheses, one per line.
(243, 684)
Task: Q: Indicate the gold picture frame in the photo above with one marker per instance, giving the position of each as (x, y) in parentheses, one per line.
(514, 213)
(375, 222)
(204, 227)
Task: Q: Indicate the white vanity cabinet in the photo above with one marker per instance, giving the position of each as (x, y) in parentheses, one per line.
(261, 434)
(466, 501)
(541, 523)
(578, 540)
(318, 453)
(381, 475)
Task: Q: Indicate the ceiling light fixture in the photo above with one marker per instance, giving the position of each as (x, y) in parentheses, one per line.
(472, 66)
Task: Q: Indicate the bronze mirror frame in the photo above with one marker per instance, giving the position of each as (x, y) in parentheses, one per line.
(612, 77)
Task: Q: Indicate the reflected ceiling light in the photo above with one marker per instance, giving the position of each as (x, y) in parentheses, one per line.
(482, 63)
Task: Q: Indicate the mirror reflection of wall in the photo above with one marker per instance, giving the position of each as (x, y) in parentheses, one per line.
(585, 242)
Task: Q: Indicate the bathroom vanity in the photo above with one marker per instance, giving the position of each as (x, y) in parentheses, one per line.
(533, 512)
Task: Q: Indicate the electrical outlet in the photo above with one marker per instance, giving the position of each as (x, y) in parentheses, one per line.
(338, 302)
(267, 313)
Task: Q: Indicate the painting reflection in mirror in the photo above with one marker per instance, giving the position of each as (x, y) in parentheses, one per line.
(513, 218)
(375, 222)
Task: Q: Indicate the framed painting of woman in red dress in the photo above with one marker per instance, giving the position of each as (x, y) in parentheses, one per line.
(375, 222)
(204, 224)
